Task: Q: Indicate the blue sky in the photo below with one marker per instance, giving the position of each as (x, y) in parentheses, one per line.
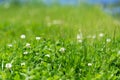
(88, 1)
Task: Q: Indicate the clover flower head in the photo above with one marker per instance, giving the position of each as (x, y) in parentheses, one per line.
(8, 65)
(62, 50)
(22, 36)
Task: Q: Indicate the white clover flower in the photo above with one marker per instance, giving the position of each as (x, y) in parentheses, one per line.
(37, 53)
(94, 36)
(25, 52)
(62, 50)
(80, 41)
(47, 55)
(119, 52)
(22, 36)
(101, 35)
(49, 49)
(8, 65)
(89, 64)
(10, 45)
(23, 64)
(38, 38)
(108, 40)
(28, 45)
(79, 36)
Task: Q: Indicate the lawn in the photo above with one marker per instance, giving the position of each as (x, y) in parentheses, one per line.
(58, 43)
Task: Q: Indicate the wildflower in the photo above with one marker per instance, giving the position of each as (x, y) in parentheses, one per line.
(23, 64)
(25, 52)
(108, 40)
(47, 55)
(89, 64)
(79, 36)
(10, 45)
(8, 65)
(94, 36)
(49, 49)
(37, 53)
(80, 41)
(22, 36)
(119, 52)
(28, 45)
(38, 38)
(62, 50)
(101, 35)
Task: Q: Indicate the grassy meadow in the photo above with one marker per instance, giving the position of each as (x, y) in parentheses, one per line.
(58, 43)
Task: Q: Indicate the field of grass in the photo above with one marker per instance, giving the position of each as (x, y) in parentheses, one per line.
(58, 43)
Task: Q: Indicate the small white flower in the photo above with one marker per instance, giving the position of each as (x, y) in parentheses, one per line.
(23, 64)
(22, 36)
(108, 40)
(47, 55)
(80, 41)
(62, 50)
(37, 53)
(119, 52)
(25, 52)
(101, 35)
(28, 45)
(10, 45)
(8, 65)
(38, 38)
(79, 36)
(49, 49)
(89, 64)
(94, 36)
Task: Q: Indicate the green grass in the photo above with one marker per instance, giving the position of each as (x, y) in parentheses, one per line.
(92, 59)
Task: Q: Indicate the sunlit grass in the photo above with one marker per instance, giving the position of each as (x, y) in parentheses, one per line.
(58, 43)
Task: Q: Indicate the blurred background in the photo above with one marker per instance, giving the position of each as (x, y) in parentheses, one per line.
(57, 19)
(109, 6)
